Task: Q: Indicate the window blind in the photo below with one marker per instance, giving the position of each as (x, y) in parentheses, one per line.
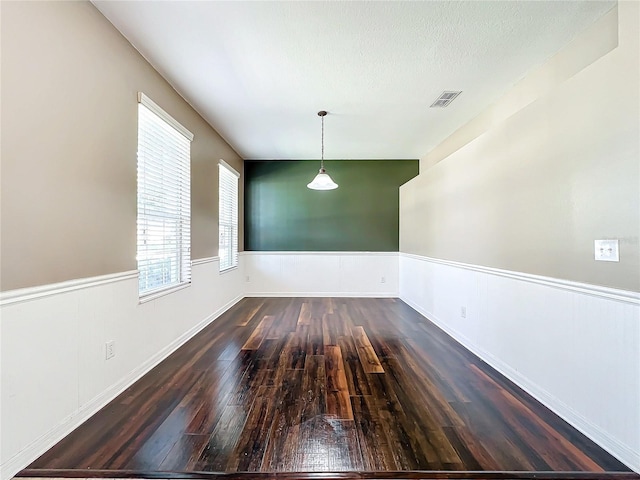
(228, 216)
(164, 200)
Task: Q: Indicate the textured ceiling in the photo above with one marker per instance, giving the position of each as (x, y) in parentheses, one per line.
(259, 72)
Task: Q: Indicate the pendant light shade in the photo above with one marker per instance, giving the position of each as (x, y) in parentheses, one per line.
(322, 181)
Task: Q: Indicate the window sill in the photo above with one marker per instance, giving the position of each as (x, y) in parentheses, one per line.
(229, 269)
(161, 293)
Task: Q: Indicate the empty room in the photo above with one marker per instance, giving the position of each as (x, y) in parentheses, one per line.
(320, 239)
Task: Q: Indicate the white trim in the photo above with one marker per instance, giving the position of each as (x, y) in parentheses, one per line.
(147, 297)
(308, 253)
(229, 167)
(68, 424)
(623, 452)
(155, 108)
(323, 294)
(585, 288)
(228, 269)
(31, 293)
(202, 261)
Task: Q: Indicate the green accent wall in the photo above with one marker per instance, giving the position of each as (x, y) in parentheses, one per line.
(282, 214)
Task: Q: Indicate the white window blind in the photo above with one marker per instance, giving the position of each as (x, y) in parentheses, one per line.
(228, 216)
(164, 200)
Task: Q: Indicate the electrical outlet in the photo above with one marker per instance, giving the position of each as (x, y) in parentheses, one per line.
(463, 312)
(383, 280)
(110, 350)
(607, 250)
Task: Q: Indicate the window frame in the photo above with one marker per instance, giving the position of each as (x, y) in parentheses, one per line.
(169, 158)
(223, 223)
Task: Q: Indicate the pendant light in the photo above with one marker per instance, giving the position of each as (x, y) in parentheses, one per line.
(323, 180)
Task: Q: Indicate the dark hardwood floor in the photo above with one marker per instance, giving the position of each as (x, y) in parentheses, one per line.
(326, 385)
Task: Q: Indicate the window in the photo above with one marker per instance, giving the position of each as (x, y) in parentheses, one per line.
(228, 216)
(164, 200)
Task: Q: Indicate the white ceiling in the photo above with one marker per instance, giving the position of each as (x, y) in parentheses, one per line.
(259, 72)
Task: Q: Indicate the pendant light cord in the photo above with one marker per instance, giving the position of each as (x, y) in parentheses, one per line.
(322, 151)
(322, 180)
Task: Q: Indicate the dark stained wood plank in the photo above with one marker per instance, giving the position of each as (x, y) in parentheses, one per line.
(249, 452)
(252, 379)
(369, 360)
(416, 443)
(442, 374)
(157, 433)
(376, 450)
(383, 328)
(338, 402)
(350, 455)
(286, 312)
(184, 454)
(368, 357)
(496, 433)
(214, 392)
(321, 306)
(357, 379)
(315, 340)
(360, 337)
(171, 438)
(254, 341)
(253, 306)
(406, 384)
(295, 351)
(346, 320)
(274, 364)
(219, 448)
(473, 454)
(329, 334)
(281, 451)
(304, 318)
(328, 444)
(314, 389)
(328, 305)
(173, 378)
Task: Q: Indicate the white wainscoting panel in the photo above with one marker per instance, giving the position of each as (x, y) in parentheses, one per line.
(54, 371)
(328, 274)
(574, 347)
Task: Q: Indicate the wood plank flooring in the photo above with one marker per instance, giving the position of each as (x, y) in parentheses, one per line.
(326, 385)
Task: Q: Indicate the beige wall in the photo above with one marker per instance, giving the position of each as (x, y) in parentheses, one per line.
(533, 181)
(69, 138)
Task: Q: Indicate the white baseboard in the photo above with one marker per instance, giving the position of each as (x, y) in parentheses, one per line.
(323, 294)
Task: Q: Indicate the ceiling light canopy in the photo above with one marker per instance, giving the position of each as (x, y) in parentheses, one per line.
(322, 181)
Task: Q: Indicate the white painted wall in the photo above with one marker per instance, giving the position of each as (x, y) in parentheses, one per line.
(575, 347)
(327, 274)
(54, 372)
(552, 166)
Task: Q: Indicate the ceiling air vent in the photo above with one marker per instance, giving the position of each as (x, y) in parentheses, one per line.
(445, 99)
